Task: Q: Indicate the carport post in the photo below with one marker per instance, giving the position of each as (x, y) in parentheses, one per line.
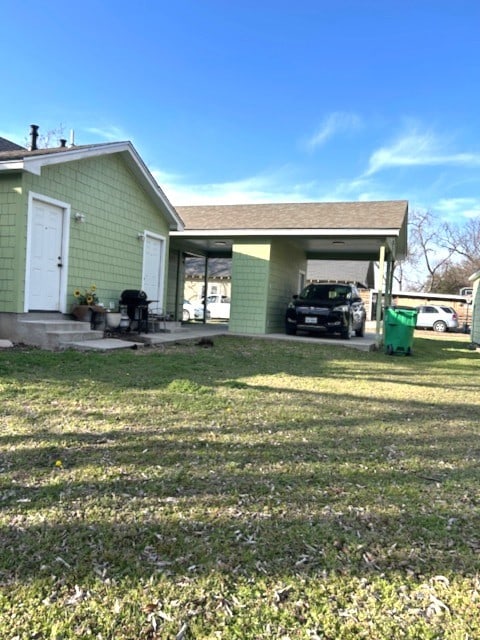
(388, 284)
(205, 291)
(381, 268)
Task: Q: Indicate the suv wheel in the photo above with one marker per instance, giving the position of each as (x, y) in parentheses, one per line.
(360, 332)
(439, 325)
(346, 333)
(290, 329)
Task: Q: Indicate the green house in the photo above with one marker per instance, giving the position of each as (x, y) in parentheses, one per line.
(75, 216)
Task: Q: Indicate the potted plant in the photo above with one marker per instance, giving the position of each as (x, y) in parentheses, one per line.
(85, 301)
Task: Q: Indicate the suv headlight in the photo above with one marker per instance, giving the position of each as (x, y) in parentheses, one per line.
(343, 308)
(291, 305)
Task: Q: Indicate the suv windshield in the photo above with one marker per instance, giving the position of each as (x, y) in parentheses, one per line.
(325, 292)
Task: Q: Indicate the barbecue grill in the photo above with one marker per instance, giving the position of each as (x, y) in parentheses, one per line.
(136, 303)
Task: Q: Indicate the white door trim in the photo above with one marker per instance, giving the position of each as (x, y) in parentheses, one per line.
(66, 208)
(161, 275)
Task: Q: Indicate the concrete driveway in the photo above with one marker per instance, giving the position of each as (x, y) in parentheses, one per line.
(195, 331)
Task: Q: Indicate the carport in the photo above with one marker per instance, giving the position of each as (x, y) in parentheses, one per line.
(270, 244)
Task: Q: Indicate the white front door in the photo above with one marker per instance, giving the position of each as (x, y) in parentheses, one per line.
(153, 275)
(45, 256)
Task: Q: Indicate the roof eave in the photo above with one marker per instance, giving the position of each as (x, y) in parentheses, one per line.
(203, 233)
(34, 165)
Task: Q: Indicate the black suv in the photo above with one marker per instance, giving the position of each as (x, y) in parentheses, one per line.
(327, 307)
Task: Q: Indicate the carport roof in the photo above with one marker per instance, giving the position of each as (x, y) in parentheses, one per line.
(305, 215)
(324, 230)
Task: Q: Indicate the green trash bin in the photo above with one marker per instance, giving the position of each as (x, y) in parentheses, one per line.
(399, 325)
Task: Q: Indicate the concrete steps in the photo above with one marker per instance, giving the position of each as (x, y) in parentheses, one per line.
(54, 331)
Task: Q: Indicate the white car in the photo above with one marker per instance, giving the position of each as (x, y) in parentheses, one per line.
(188, 312)
(436, 317)
(218, 308)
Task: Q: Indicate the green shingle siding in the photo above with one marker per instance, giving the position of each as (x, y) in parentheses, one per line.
(12, 240)
(286, 262)
(104, 250)
(250, 268)
(264, 277)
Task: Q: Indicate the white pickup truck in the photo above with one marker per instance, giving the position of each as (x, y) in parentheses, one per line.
(218, 308)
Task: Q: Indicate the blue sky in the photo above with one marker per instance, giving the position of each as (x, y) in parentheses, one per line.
(260, 101)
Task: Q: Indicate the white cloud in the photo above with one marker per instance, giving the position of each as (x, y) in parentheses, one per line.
(417, 149)
(255, 189)
(452, 208)
(337, 122)
(111, 133)
(268, 187)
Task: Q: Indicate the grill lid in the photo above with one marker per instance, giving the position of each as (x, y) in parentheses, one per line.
(133, 296)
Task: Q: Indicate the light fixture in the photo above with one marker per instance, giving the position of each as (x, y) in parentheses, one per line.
(141, 237)
(220, 243)
(338, 242)
(79, 217)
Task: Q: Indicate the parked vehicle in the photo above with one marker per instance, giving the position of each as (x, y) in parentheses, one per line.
(327, 307)
(218, 307)
(188, 312)
(436, 317)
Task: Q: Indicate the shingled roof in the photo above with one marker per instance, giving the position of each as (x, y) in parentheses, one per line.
(306, 215)
(8, 145)
(20, 153)
(33, 161)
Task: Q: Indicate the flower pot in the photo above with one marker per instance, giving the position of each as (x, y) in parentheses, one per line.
(82, 312)
(113, 319)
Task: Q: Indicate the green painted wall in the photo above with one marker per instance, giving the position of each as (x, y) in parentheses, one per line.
(250, 272)
(13, 235)
(264, 278)
(286, 261)
(104, 250)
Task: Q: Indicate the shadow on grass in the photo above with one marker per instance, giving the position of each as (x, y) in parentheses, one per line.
(156, 538)
(341, 483)
(190, 506)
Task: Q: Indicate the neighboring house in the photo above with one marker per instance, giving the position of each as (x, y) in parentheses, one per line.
(420, 298)
(216, 281)
(75, 216)
(7, 145)
(270, 246)
(360, 273)
(475, 331)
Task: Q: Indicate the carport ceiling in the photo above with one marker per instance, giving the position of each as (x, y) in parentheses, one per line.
(338, 231)
(315, 248)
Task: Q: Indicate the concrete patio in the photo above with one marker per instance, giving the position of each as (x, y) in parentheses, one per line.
(196, 331)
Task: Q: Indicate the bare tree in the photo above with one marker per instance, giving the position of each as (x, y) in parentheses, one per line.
(49, 139)
(441, 256)
(464, 241)
(427, 253)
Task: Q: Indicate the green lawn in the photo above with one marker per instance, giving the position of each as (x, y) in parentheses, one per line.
(257, 489)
